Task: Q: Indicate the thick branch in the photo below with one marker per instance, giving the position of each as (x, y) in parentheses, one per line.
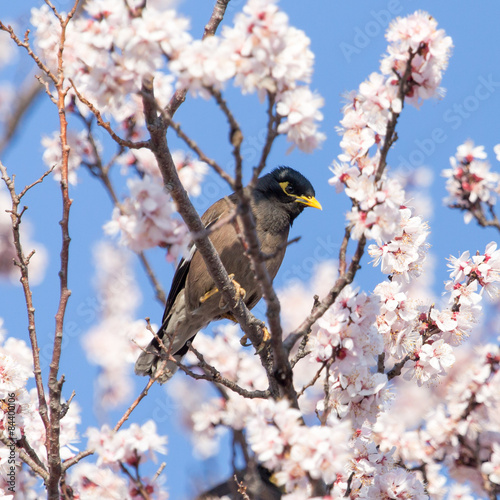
(157, 128)
(106, 125)
(194, 146)
(55, 385)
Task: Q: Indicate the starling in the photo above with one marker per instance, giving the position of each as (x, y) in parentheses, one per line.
(194, 301)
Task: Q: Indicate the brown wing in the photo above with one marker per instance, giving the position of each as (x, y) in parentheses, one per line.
(210, 217)
(225, 241)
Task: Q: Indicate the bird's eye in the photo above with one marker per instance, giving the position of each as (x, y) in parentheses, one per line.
(289, 189)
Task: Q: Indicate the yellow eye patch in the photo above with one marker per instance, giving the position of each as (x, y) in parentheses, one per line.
(284, 185)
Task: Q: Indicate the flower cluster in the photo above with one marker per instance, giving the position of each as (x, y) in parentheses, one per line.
(294, 452)
(348, 343)
(430, 48)
(16, 367)
(81, 151)
(376, 474)
(403, 255)
(461, 432)
(113, 344)
(368, 111)
(379, 210)
(425, 335)
(128, 446)
(263, 54)
(110, 49)
(470, 182)
(146, 219)
(114, 450)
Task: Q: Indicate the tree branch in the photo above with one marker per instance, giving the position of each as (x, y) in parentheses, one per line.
(23, 266)
(346, 278)
(159, 146)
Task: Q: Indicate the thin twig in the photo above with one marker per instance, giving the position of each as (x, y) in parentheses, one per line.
(273, 122)
(106, 125)
(194, 147)
(313, 380)
(235, 134)
(138, 399)
(216, 377)
(141, 490)
(23, 266)
(26, 45)
(25, 97)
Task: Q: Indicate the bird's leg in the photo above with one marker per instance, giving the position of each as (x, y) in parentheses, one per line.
(209, 294)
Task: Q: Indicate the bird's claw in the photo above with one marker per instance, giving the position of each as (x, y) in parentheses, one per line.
(266, 337)
(240, 293)
(244, 341)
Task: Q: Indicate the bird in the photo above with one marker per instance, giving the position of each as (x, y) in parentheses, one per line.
(194, 301)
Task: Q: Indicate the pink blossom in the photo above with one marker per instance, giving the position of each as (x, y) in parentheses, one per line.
(113, 343)
(132, 445)
(300, 107)
(492, 467)
(146, 219)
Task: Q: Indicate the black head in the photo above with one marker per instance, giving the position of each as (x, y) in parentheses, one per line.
(288, 188)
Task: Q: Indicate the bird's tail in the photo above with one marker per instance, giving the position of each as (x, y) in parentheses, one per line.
(148, 363)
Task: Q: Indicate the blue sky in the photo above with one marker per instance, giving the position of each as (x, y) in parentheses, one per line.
(347, 39)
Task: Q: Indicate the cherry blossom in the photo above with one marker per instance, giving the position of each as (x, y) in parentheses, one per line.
(300, 107)
(113, 343)
(470, 182)
(129, 446)
(418, 34)
(403, 255)
(492, 467)
(80, 151)
(319, 451)
(145, 220)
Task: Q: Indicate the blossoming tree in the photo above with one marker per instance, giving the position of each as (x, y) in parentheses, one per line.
(322, 410)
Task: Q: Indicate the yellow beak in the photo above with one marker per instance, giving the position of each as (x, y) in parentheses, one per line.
(309, 201)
